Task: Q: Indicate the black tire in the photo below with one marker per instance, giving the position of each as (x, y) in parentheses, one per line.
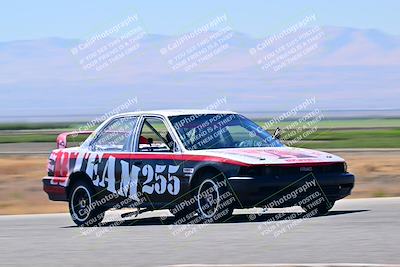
(321, 209)
(82, 206)
(214, 202)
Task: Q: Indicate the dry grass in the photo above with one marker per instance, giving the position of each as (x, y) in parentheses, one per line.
(377, 174)
(21, 186)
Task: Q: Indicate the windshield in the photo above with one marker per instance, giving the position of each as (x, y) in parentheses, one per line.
(213, 131)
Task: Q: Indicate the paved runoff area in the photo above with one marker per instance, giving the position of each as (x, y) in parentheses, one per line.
(357, 232)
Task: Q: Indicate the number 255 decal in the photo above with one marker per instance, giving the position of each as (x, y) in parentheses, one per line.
(158, 183)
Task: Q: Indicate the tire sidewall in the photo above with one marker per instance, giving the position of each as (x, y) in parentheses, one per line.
(94, 214)
(219, 214)
(199, 208)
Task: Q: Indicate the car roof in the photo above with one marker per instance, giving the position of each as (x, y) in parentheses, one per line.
(177, 112)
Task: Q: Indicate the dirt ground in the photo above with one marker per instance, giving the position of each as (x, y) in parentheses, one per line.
(21, 186)
(377, 175)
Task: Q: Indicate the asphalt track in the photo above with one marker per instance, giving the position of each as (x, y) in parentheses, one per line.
(355, 231)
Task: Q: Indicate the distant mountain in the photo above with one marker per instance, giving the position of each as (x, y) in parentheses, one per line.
(346, 69)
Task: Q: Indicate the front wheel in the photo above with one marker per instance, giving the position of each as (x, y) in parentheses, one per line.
(82, 207)
(214, 201)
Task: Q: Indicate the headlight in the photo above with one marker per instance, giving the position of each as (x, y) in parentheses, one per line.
(344, 166)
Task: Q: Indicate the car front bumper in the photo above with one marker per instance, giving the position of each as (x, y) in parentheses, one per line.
(260, 191)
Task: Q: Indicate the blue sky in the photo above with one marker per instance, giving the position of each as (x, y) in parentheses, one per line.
(20, 20)
(41, 76)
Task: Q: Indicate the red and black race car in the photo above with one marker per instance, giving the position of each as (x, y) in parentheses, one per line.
(199, 164)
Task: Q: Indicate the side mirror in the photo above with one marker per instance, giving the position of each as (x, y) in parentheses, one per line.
(277, 133)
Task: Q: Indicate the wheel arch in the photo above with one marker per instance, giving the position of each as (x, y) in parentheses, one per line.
(204, 169)
(77, 176)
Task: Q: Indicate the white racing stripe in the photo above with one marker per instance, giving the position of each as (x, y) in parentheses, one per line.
(241, 178)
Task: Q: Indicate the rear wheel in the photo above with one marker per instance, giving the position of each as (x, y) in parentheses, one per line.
(82, 207)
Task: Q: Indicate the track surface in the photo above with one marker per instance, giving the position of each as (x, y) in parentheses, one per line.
(363, 230)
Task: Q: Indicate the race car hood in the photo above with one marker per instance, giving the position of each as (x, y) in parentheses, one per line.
(272, 155)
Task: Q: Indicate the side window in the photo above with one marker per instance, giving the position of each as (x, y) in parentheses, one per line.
(116, 136)
(154, 136)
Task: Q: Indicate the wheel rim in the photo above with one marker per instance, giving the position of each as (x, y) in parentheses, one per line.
(208, 198)
(81, 203)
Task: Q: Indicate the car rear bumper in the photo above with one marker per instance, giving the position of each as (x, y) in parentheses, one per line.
(54, 188)
(260, 191)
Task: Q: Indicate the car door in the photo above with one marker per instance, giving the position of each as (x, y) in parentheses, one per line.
(161, 177)
(108, 161)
